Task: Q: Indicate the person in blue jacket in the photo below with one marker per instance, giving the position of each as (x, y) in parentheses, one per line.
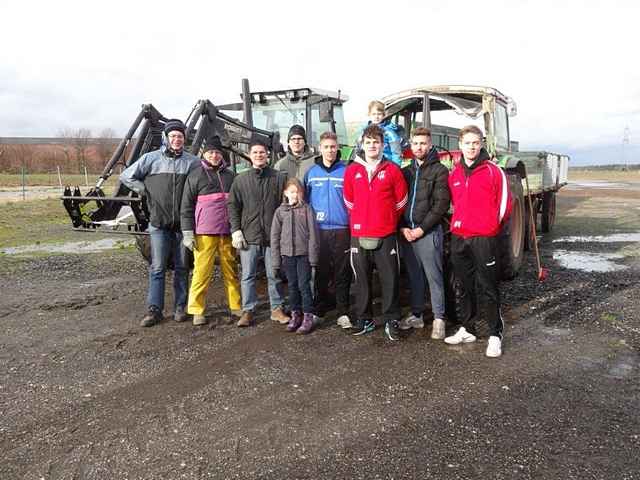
(392, 139)
(323, 182)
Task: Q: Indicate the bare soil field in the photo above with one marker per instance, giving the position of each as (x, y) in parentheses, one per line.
(87, 394)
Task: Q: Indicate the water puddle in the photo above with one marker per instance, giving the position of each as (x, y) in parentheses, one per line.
(611, 238)
(70, 247)
(595, 184)
(589, 261)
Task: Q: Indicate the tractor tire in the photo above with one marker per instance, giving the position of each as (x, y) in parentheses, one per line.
(512, 237)
(548, 217)
(143, 243)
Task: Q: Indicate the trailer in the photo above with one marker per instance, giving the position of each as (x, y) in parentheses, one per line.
(534, 176)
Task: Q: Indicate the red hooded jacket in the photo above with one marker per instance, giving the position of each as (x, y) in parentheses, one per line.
(374, 206)
(480, 197)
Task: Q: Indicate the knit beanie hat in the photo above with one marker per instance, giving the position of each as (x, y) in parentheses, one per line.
(213, 143)
(174, 124)
(297, 130)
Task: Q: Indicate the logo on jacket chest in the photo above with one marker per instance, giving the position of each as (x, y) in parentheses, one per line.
(320, 216)
(381, 175)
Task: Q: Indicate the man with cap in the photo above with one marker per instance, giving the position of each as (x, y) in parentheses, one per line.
(159, 176)
(299, 157)
(206, 230)
(255, 195)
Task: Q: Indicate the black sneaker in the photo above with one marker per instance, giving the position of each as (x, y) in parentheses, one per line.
(152, 317)
(391, 330)
(365, 326)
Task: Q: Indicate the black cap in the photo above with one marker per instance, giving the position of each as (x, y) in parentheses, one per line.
(213, 143)
(174, 124)
(297, 130)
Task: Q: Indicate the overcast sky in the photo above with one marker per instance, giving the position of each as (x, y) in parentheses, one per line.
(570, 66)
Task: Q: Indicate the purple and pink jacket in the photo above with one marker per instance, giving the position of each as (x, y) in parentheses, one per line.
(204, 200)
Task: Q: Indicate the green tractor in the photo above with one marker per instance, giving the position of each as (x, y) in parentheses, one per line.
(276, 111)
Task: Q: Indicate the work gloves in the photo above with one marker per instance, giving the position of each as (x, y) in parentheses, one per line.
(238, 241)
(188, 239)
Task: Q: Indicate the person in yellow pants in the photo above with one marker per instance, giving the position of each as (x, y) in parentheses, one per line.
(204, 221)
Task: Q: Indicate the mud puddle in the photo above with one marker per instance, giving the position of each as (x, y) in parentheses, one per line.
(595, 184)
(589, 261)
(612, 238)
(70, 247)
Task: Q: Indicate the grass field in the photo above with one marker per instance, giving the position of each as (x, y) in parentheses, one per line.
(33, 222)
(50, 179)
(604, 175)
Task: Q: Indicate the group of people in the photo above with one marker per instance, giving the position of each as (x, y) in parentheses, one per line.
(324, 225)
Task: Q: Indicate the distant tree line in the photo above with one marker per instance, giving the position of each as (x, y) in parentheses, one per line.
(72, 151)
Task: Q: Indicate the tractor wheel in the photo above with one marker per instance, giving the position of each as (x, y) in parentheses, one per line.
(511, 239)
(548, 217)
(143, 242)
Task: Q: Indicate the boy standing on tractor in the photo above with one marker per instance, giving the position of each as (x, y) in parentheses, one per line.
(481, 204)
(392, 138)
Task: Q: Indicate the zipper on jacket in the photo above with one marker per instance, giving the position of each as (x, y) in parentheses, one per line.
(413, 198)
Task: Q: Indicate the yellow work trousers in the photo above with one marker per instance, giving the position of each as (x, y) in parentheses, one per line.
(204, 254)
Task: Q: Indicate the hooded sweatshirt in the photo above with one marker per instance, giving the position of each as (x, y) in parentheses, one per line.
(295, 166)
(374, 197)
(480, 196)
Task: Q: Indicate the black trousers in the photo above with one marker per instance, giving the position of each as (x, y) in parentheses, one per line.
(333, 268)
(386, 260)
(475, 263)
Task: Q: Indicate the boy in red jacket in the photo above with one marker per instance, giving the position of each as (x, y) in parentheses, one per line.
(375, 194)
(481, 204)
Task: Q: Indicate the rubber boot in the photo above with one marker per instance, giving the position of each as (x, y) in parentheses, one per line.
(296, 320)
(307, 324)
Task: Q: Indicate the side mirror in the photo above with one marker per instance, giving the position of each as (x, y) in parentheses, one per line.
(326, 112)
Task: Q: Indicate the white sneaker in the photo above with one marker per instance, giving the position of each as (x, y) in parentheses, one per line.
(461, 336)
(494, 348)
(344, 322)
(437, 331)
(411, 322)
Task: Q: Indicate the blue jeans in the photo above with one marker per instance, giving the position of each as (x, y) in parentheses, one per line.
(249, 263)
(423, 260)
(163, 243)
(298, 271)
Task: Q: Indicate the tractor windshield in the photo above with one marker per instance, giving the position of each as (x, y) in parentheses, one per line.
(280, 113)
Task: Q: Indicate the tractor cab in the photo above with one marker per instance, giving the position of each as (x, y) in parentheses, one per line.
(277, 111)
(446, 108)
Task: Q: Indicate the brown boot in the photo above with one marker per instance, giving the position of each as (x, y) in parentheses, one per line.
(277, 315)
(246, 319)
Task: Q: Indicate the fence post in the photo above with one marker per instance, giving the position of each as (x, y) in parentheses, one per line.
(59, 176)
(24, 185)
(86, 177)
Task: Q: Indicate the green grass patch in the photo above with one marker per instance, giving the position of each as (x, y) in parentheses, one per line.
(37, 221)
(51, 180)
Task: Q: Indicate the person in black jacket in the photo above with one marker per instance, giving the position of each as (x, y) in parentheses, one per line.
(427, 180)
(254, 197)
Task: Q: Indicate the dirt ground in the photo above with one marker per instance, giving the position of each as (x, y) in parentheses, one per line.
(87, 394)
